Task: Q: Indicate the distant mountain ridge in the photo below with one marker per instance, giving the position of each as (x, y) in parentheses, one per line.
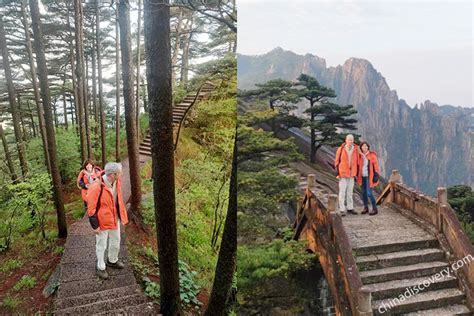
(430, 145)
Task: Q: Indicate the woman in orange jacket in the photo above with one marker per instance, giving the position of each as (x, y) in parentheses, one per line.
(367, 176)
(89, 173)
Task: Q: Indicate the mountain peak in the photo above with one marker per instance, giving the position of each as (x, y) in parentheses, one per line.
(359, 63)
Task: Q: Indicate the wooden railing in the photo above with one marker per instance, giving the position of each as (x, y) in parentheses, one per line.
(437, 216)
(322, 227)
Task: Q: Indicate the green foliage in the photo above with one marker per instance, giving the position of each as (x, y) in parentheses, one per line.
(223, 70)
(215, 126)
(26, 282)
(58, 250)
(179, 93)
(188, 289)
(23, 206)
(68, 151)
(461, 199)
(276, 258)
(10, 264)
(262, 186)
(152, 289)
(326, 118)
(11, 301)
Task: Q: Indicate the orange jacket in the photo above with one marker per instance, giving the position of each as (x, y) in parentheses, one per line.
(83, 180)
(107, 213)
(342, 162)
(373, 164)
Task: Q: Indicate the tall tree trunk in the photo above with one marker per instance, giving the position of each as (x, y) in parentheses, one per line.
(39, 105)
(138, 67)
(177, 42)
(33, 125)
(94, 91)
(218, 302)
(65, 103)
(117, 88)
(130, 118)
(11, 99)
(158, 69)
(74, 110)
(99, 72)
(45, 96)
(86, 108)
(80, 77)
(8, 157)
(22, 121)
(55, 112)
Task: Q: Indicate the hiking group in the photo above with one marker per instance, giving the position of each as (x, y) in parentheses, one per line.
(356, 163)
(105, 207)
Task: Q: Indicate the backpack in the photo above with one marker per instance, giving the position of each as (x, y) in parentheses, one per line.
(94, 220)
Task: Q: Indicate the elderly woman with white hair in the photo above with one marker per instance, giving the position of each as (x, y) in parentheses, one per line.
(106, 210)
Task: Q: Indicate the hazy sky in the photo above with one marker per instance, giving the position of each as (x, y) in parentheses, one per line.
(424, 49)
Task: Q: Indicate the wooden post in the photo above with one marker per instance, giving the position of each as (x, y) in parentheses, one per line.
(332, 203)
(364, 299)
(332, 210)
(395, 177)
(311, 182)
(442, 203)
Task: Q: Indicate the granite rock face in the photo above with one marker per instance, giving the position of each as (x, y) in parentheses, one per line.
(430, 145)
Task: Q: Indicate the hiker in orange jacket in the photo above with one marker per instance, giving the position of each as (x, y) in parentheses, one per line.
(88, 174)
(106, 210)
(346, 162)
(368, 176)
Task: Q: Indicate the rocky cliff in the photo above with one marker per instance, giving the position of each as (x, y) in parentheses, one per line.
(431, 145)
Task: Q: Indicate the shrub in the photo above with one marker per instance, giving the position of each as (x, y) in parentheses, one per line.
(26, 282)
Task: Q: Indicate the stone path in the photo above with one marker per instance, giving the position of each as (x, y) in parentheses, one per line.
(393, 254)
(81, 291)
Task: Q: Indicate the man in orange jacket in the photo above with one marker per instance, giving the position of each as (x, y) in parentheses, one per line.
(346, 162)
(106, 210)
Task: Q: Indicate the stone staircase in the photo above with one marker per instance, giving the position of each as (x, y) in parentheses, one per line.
(393, 253)
(179, 110)
(81, 292)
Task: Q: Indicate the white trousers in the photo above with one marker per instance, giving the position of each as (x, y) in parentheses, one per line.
(113, 237)
(346, 190)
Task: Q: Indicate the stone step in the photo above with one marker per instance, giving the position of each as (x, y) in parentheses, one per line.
(104, 306)
(144, 152)
(142, 309)
(87, 254)
(430, 242)
(181, 106)
(145, 146)
(76, 288)
(378, 261)
(421, 301)
(178, 111)
(96, 297)
(394, 288)
(86, 270)
(448, 310)
(402, 272)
